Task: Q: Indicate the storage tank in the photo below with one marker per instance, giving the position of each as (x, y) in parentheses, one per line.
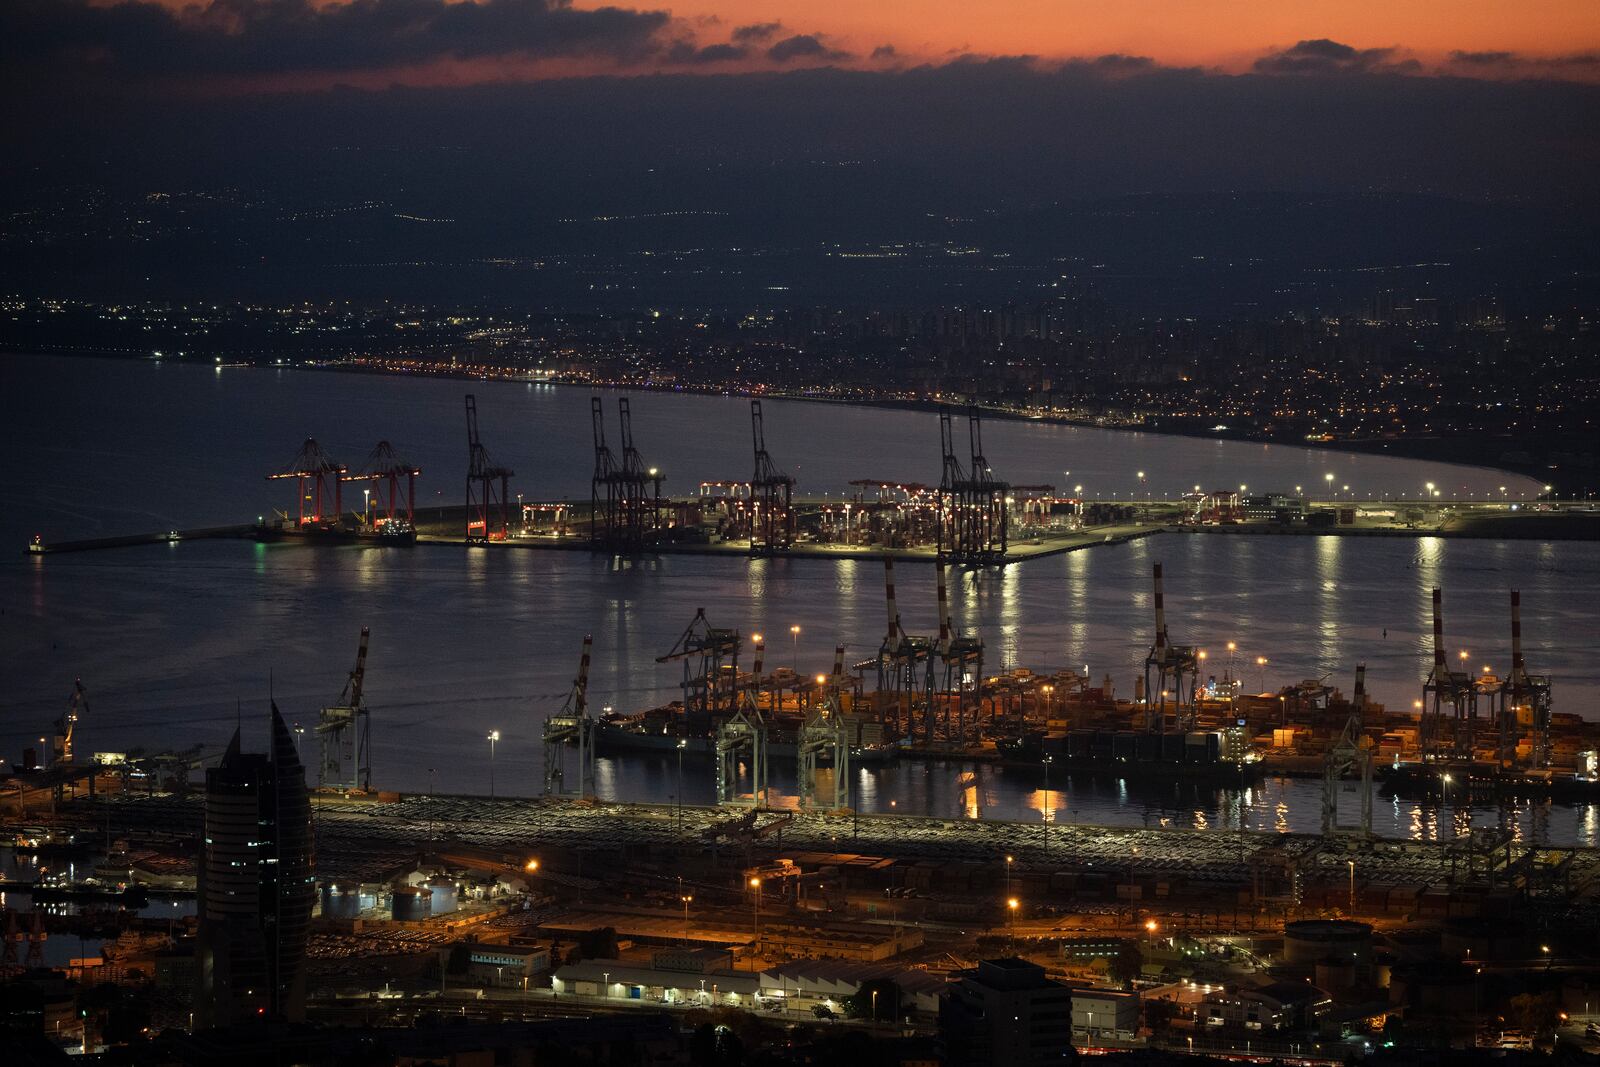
(411, 904)
(444, 894)
(1335, 975)
(1311, 941)
(341, 902)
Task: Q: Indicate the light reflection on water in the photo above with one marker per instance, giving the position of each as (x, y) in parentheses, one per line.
(467, 642)
(1016, 794)
(464, 642)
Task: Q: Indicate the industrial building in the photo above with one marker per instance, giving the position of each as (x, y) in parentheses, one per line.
(1277, 1006)
(1006, 1012)
(639, 981)
(1101, 1015)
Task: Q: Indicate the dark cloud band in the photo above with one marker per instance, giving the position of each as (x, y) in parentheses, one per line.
(275, 36)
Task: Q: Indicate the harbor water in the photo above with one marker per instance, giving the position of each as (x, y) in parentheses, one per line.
(178, 644)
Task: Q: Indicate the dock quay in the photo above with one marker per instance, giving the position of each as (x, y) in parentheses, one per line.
(443, 527)
(251, 531)
(361, 839)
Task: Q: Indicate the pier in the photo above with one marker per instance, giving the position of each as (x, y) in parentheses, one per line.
(1488, 520)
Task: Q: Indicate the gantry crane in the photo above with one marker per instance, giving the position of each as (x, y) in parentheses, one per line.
(771, 493)
(961, 655)
(1526, 701)
(67, 725)
(1176, 669)
(974, 505)
(905, 673)
(710, 658)
(488, 485)
(392, 490)
(345, 732)
(1351, 752)
(318, 478)
(571, 727)
(625, 494)
(1446, 689)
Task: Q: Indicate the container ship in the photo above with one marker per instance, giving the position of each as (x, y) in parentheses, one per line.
(1196, 755)
(667, 728)
(1477, 779)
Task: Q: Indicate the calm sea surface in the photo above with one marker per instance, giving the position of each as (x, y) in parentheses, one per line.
(176, 642)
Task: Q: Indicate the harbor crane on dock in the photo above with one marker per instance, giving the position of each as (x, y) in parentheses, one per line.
(771, 493)
(67, 725)
(625, 494)
(488, 486)
(1351, 752)
(571, 727)
(742, 738)
(1446, 689)
(1526, 701)
(1176, 670)
(961, 656)
(904, 669)
(823, 737)
(391, 488)
(345, 732)
(974, 505)
(710, 658)
(319, 478)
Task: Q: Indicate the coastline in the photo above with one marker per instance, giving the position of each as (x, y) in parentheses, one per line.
(1422, 447)
(1418, 448)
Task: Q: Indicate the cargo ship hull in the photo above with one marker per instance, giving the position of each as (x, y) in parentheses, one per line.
(1129, 754)
(1442, 781)
(615, 740)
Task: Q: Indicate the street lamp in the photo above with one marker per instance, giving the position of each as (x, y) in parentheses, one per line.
(1012, 904)
(1261, 662)
(1009, 860)
(1352, 864)
(686, 898)
(794, 635)
(683, 743)
(755, 885)
(494, 736)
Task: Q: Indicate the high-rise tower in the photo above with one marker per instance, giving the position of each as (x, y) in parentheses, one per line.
(255, 886)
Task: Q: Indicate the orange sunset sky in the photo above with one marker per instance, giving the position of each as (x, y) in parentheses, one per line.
(1228, 34)
(205, 45)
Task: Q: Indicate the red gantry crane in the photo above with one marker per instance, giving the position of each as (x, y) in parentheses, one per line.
(392, 490)
(318, 500)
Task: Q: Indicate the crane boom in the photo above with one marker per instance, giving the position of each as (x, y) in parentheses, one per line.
(351, 697)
